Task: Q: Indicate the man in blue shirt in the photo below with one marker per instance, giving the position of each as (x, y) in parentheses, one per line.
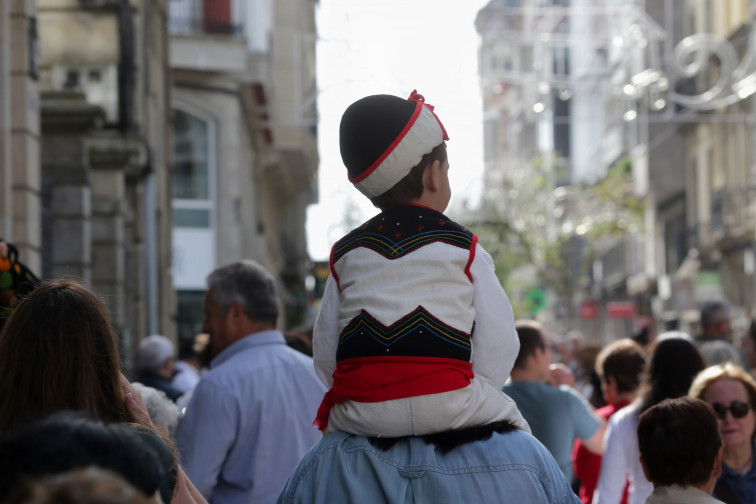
(250, 418)
(557, 415)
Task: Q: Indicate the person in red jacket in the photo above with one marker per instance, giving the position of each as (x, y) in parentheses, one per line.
(620, 366)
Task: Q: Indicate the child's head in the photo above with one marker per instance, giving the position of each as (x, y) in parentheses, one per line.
(386, 144)
(620, 366)
(679, 443)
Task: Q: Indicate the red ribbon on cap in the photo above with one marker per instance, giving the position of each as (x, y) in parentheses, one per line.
(417, 97)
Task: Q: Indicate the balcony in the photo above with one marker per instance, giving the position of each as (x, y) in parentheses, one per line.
(206, 17)
(208, 36)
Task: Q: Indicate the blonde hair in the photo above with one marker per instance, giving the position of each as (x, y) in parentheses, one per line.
(720, 372)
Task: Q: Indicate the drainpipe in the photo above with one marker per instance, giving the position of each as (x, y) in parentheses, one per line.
(127, 125)
(150, 239)
(127, 85)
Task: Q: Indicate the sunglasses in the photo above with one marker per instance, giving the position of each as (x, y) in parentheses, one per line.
(739, 409)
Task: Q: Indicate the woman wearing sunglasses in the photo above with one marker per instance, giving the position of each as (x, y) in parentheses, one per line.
(731, 391)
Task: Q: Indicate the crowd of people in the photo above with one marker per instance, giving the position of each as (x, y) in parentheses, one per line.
(417, 383)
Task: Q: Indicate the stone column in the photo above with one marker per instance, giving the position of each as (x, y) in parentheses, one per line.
(6, 198)
(67, 121)
(110, 157)
(24, 108)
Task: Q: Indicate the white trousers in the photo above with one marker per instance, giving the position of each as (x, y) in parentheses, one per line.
(479, 403)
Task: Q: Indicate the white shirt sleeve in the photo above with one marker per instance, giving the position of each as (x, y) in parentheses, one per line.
(325, 334)
(615, 464)
(495, 344)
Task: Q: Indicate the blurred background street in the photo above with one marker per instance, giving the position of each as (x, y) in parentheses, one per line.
(603, 151)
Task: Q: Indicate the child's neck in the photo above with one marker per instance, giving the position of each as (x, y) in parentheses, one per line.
(429, 201)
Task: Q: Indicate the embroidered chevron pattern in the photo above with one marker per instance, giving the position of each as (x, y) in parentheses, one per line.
(393, 249)
(417, 333)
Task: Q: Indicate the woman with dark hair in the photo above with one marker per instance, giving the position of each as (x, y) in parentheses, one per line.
(731, 391)
(673, 365)
(58, 352)
(68, 441)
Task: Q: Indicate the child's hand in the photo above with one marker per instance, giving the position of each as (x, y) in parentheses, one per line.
(559, 374)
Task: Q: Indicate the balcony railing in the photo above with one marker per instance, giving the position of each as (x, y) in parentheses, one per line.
(211, 17)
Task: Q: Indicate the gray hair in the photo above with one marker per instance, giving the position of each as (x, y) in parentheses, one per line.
(245, 282)
(153, 351)
(714, 311)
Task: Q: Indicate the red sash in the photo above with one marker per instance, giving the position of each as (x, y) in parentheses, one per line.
(376, 379)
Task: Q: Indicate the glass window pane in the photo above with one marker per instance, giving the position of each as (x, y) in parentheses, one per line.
(190, 157)
(191, 217)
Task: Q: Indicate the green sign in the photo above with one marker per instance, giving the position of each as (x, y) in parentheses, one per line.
(535, 300)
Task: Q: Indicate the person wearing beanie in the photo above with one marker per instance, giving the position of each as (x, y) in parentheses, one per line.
(415, 333)
(155, 361)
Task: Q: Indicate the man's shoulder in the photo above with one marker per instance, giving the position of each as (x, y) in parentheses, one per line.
(416, 453)
(418, 450)
(274, 355)
(537, 390)
(534, 397)
(512, 464)
(280, 362)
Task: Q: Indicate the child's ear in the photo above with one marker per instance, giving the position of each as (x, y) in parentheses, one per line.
(431, 176)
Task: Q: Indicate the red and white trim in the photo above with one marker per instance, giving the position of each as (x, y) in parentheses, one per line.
(421, 135)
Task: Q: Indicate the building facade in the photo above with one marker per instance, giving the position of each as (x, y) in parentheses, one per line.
(554, 121)
(245, 143)
(144, 143)
(105, 182)
(662, 87)
(19, 130)
(720, 198)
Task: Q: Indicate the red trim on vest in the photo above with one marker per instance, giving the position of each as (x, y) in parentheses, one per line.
(376, 379)
(390, 149)
(332, 266)
(473, 246)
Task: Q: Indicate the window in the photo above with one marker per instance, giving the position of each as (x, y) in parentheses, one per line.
(194, 248)
(191, 171)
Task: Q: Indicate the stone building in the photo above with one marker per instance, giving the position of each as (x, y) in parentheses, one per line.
(245, 143)
(720, 195)
(105, 191)
(143, 143)
(672, 84)
(19, 130)
(552, 114)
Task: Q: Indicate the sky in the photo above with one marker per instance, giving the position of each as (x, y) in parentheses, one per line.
(393, 47)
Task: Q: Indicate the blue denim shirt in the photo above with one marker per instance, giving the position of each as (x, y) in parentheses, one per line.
(512, 467)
